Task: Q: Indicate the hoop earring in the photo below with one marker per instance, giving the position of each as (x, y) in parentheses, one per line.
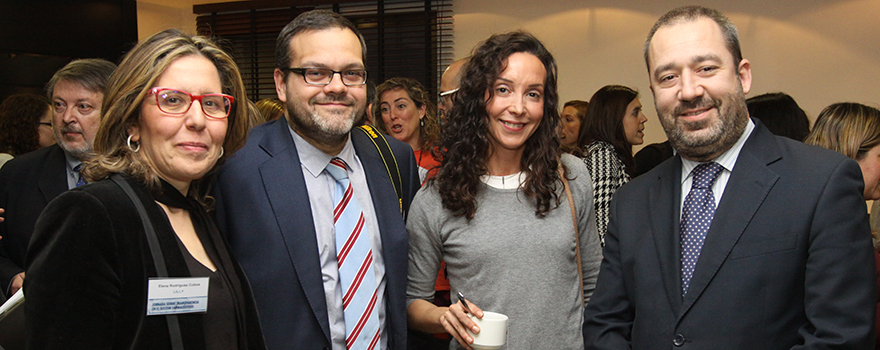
(133, 149)
(221, 152)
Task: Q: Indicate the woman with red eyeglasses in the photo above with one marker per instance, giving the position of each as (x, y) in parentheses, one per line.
(133, 260)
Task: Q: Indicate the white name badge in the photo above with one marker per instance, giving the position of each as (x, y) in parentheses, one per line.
(166, 296)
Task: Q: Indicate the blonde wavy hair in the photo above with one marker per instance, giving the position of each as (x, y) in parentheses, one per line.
(849, 128)
(131, 83)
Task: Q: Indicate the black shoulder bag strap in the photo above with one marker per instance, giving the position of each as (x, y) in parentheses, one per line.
(156, 251)
(388, 158)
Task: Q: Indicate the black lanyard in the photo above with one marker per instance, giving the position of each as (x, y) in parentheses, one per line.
(158, 257)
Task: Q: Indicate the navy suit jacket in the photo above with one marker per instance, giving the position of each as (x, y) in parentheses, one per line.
(263, 207)
(787, 262)
(27, 184)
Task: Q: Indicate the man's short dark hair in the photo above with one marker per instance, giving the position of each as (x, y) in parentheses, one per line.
(692, 13)
(91, 73)
(312, 20)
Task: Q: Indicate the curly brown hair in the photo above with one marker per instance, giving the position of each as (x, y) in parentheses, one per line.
(464, 143)
(20, 116)
(429, 130)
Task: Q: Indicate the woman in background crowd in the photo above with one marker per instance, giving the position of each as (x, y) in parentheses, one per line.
(405, 111)
(614, 123)
(506, 228)
(854, 130)
(172, 110)
(573, 113)
(25, 125)
(270, 109)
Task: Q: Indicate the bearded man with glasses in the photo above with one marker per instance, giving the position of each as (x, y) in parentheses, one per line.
(277, 201)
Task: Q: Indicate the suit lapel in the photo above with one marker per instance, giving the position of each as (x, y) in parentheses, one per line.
(53, 181)
(288, 197)
(748, 186)
(666, 232)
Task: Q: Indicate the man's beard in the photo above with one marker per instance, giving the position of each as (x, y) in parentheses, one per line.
(329, 128)
(81, 153)
(706, 139)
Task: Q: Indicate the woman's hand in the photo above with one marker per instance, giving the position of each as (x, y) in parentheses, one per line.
(455, 320)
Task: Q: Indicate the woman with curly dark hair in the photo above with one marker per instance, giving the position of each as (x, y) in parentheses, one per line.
(25, 125)
(506, 226)
(406, 113)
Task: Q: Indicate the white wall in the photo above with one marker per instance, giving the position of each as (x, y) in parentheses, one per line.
(818, 51)
(156, 15)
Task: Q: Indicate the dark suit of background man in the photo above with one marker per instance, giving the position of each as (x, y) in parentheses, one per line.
(787, 260)
(32, 180)
(275, 200)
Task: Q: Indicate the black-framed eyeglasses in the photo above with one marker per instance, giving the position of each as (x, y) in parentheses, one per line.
(323, 76)
(178, 102)
(46, 124)
(447, 94)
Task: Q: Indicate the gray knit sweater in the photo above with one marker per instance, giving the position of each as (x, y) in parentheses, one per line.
(511, 261)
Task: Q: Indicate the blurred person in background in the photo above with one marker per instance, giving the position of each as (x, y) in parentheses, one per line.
(781, 114)
(614, 123)
(30, 181)
(573, 113)
(853, 129)
(450, 82)
(405, 112)
(25, 125)
(270, 109)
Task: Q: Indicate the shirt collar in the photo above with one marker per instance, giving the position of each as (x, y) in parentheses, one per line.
(316, 160)
(72, 162)
(727, 159)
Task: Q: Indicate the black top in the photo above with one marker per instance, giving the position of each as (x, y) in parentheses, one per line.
(89, 265)
(219, 322)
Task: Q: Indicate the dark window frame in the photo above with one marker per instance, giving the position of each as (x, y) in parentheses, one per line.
(404, 38)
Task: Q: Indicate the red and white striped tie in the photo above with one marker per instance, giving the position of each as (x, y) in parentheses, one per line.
(355, 260)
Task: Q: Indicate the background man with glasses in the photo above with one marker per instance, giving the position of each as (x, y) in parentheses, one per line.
(29, 182)
(450, 82)
(284, 199)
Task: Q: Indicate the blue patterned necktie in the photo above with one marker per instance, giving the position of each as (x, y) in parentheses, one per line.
(355, 259)
(79, 178)
(696, 218)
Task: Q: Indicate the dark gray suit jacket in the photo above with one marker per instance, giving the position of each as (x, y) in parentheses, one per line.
(263, 208)
(27, 184)
(787, 262)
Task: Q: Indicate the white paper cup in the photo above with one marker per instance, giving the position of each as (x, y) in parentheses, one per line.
(493, 331)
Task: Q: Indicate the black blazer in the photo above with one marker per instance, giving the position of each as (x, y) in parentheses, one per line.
(87, 272)
(263, 208)
(27, 184)
(787, 263)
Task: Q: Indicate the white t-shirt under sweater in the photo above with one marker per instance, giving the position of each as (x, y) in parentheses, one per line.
(511, 261)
